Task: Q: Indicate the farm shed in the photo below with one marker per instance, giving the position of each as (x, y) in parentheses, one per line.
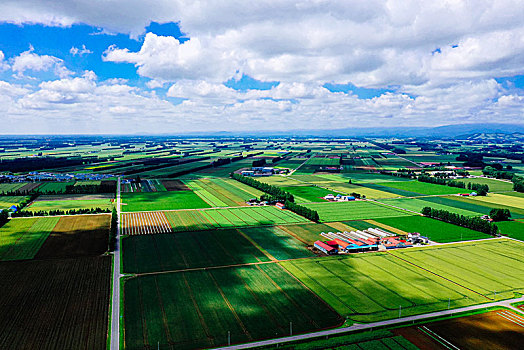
(323, 247)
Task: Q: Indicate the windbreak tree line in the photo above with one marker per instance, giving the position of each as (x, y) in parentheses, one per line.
(96, 210)
(481, 189)
(113, 231)
(276, 194)
(474, 223)
(4, 217)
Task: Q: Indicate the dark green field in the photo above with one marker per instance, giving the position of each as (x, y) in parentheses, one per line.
(307, 193)
(249, 302)
(165, 252)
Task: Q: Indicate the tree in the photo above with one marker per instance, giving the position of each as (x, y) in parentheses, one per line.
(500, 214)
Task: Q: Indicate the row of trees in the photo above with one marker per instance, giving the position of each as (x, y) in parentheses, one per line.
(113, 231)
(498, 174)
(440, 181)
(105, 187)
(474, 223)
(481, 189)
(277, 193)
(303, 211)
(61, 212)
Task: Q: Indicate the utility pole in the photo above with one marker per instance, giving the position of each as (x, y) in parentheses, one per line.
(290, 328)
(449, 302)
(228, 338)
(399, 310)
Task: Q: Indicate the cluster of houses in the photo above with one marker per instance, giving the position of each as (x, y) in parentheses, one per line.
(339, 198)
(46, 176)
(264, 171)
(372, 239)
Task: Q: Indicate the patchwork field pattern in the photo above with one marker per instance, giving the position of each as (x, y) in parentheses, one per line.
(250, 303)
(68, 202)
(382, 284)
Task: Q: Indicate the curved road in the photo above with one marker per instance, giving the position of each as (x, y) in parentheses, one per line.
(115, 316)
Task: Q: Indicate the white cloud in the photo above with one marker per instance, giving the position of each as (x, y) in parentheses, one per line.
(80, 52)
(30, 61)
(302, 45)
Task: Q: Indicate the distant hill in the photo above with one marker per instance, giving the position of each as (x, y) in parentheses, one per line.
(452, 131)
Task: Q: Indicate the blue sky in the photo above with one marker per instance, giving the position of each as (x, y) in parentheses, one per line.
(124, 67)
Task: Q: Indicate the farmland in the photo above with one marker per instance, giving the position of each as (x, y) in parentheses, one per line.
(357, 210)
(8, 201)
(197, 220)
(150, 253)
(307, 193)
(222, 193)
(146, 201)
(423, 187)
(416, 204)
(68, 202)
(248, 302)
(500, 329)
(75, 236)
(375, 294)
(435, 230)
(60, 304)
(22, 238)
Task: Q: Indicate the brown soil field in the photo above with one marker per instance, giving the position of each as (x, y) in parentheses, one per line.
(175, 185)
(502, 329)
(71, 197)
(78, 235)
(29, 187)
(55, 304)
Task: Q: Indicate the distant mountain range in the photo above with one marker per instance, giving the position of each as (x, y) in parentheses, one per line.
(452, 131)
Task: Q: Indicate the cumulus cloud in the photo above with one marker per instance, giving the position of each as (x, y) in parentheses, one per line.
(30, 61)
(80, 51)
(438, 61)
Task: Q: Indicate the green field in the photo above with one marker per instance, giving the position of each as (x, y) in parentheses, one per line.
(357, 210)
(222, 192)
(435, 230)
(304, 194)
(490, 202)
(166, 252)
(7, 202)
(9, 187)
(494, 184)
(47, 203)
(21, 238)
(250, 303)
(146, 201)
(54, 186)
(379, 286)
(424, 188)
(197, 220)
(514, 229)
(277, 242)
(416, 204)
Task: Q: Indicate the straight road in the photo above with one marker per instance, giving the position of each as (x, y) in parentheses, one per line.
(355, 327)
(115, 316)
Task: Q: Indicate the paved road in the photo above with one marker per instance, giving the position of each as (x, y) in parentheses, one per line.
(115, 317)
(505, 303)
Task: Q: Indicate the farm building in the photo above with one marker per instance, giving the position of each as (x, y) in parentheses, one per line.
(280, 206)
(325, 248)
